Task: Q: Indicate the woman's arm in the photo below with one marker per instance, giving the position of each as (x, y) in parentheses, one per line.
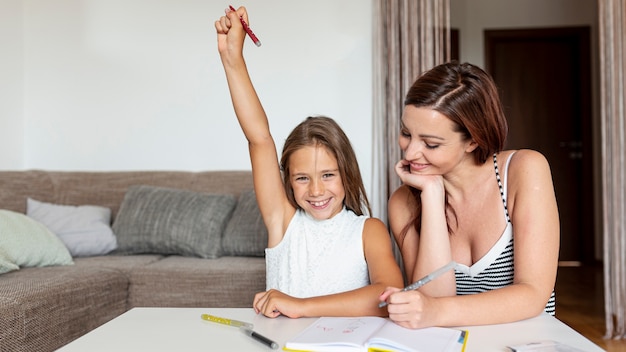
(273, 204)
(383, 271)
(536, 227)
(429, 250)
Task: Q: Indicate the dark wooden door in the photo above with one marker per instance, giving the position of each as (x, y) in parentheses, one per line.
(544, 79)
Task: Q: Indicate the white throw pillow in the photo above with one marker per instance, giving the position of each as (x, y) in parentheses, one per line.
(85, 229)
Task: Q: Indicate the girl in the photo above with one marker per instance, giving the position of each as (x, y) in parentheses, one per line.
(466, 200)
(325, 257)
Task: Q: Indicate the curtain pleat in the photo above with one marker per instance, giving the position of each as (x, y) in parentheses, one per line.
(612, 18)
(410, 37)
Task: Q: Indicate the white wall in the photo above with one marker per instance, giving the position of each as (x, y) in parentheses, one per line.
(137, 84)
(11, 85)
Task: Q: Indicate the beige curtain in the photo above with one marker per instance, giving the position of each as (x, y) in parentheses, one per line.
(410, 36)
(612, 15)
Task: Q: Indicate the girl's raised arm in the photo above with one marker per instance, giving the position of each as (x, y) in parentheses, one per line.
(273, 203)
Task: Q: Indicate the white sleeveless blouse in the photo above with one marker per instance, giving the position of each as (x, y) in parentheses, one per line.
(318, 257)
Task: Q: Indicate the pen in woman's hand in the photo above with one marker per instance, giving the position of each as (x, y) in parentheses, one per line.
(426, 279)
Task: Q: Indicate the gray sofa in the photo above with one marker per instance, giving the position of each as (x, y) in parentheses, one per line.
(44, 308)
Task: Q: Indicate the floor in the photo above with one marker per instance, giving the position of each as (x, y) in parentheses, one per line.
(580, 304)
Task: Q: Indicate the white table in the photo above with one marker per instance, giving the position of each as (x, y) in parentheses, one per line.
(182, 329)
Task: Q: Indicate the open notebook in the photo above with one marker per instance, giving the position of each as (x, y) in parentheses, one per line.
(374, 334)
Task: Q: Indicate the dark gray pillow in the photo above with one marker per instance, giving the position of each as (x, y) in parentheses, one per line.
(172, 221)
(245, 233)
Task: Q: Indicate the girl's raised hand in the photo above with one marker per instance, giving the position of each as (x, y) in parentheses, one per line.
(230, 32)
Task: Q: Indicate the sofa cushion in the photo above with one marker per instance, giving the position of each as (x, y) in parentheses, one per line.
(25, 242)
(177, 281)
(85, 229)
(46, 308)
(245, 233)
(123, 263)
(172, 221)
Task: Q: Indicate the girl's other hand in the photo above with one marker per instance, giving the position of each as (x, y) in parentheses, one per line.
(273, 303)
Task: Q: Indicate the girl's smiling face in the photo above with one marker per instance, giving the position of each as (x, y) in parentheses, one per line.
(430, 141)
(316, 181)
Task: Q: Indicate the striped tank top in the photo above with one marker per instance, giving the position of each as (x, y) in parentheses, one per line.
(495, 269)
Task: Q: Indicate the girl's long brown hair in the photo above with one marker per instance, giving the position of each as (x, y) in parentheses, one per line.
(324, 131)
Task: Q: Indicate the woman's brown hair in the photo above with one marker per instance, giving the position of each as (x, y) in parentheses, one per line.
(324, 131)
(468, 96)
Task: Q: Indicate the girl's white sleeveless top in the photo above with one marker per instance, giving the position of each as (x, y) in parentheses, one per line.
(318, 257)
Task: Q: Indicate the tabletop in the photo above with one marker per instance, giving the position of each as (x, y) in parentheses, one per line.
(182, 329)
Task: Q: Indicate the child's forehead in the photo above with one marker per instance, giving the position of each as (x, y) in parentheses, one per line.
(312, 158)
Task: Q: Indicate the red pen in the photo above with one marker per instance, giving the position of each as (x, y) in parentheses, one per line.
(256, 40)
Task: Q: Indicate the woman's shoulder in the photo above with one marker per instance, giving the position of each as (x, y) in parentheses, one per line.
(525, 158)
(527, 168)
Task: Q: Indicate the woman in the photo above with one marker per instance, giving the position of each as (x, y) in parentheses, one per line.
(465, 199)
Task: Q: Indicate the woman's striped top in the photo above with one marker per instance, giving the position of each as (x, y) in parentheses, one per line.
(495, 269)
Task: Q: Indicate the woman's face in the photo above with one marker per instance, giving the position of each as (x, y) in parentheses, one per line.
(430, 142)
(316, 182)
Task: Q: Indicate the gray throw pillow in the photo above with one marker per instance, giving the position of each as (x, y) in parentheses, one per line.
(245, 233)
(172, 221)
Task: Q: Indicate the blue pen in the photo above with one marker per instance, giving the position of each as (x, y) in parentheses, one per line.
(426, 279)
